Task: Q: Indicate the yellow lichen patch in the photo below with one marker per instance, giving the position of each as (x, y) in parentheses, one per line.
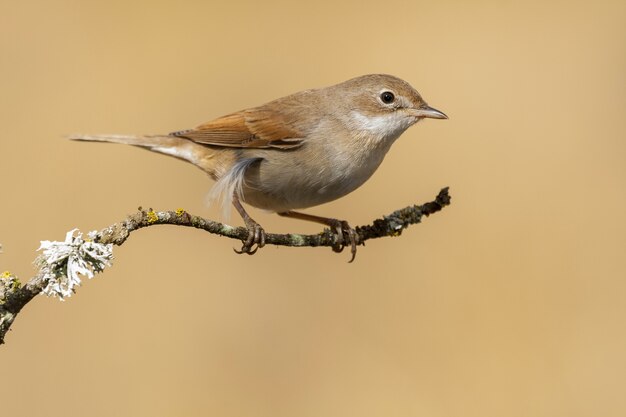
(180, 212)
(152, 216)
(8, 281)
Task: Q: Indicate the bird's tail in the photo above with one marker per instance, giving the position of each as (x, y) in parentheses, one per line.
(144, 141)
(169, 145)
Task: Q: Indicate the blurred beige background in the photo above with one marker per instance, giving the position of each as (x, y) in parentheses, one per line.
(508, 303)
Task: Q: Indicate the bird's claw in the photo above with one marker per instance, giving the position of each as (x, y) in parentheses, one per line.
(345, 236)
(255, 239)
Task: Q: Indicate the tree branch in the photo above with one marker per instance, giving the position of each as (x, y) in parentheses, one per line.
(14, 296)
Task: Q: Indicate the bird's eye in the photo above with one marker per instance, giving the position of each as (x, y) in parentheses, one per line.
(387, 97)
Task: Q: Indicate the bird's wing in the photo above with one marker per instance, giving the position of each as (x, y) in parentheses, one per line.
(253, 128)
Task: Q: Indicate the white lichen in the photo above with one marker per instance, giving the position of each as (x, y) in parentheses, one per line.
(62, 263)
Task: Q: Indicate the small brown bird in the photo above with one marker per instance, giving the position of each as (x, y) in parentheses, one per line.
(298, 151)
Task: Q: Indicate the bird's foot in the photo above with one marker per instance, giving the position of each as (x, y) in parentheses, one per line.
(255, 239)
(345, 236)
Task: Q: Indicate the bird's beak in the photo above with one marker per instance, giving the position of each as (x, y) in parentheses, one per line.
(427, 111)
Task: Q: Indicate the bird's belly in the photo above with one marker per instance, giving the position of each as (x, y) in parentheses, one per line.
(281, 183)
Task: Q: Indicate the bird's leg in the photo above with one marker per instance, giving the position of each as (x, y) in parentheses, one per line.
(256, 234)
(338, 227)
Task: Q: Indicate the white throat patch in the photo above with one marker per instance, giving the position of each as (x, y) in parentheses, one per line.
(389, 125)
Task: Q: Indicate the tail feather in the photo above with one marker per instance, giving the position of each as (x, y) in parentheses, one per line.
(169, 145)
(145, 141)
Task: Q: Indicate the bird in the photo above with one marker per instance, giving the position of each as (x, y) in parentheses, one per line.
(297, 151)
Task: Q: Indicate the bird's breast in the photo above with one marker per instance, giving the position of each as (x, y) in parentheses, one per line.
(322, 170)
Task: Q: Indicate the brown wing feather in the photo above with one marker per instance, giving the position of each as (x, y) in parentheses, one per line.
(253, 128)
